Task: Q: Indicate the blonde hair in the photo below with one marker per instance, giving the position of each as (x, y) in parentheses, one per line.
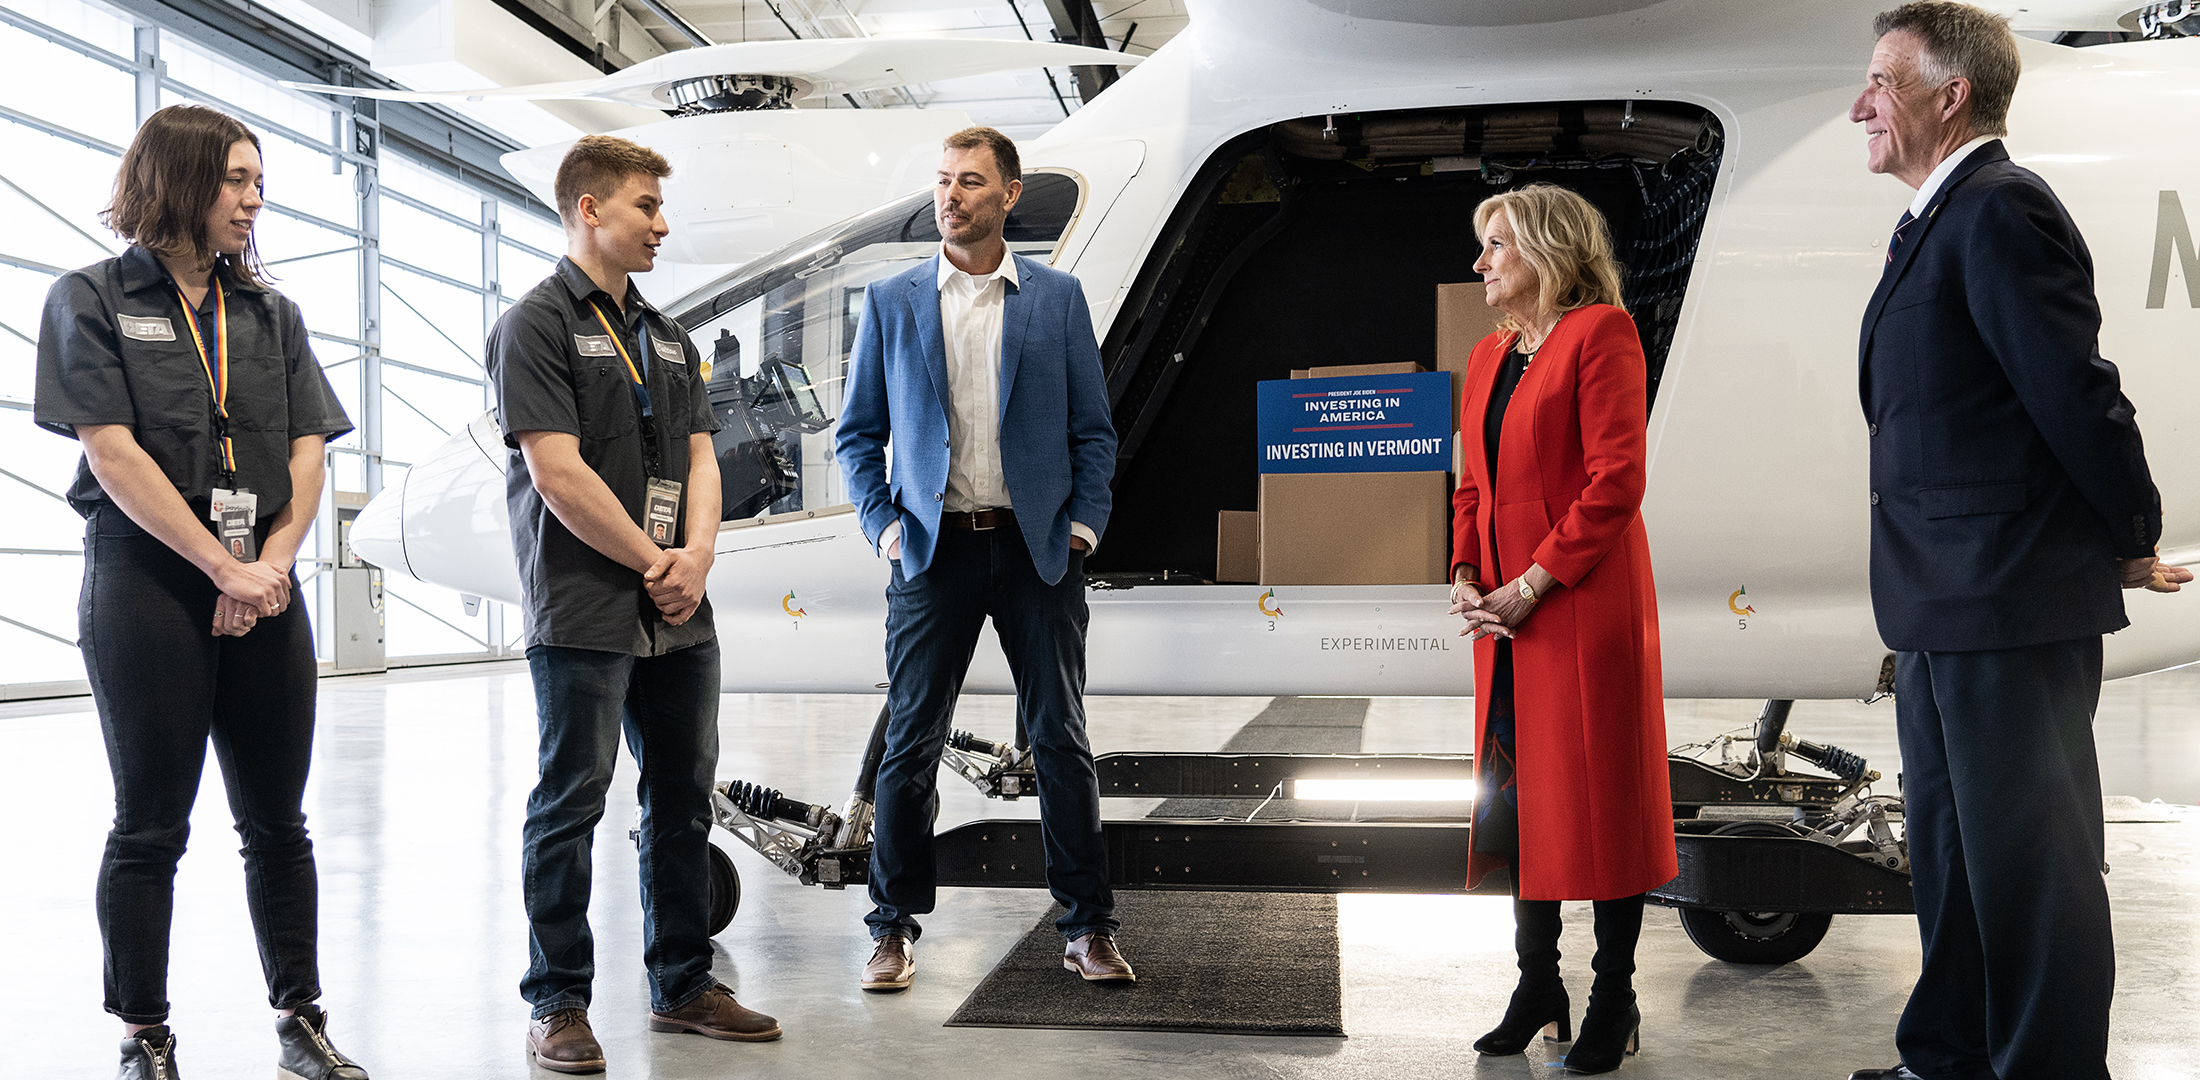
(1565, 239)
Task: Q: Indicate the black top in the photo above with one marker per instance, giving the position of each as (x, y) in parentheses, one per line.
(2007, 471)
(554, 369)
(1501, 395)
(113, 349)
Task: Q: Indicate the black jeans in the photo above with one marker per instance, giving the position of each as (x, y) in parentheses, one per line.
(668, 707)
(165, 687)
(2002, 806)
(932, 627)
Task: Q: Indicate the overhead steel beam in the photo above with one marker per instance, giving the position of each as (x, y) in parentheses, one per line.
(268, 43)
(1076, 23)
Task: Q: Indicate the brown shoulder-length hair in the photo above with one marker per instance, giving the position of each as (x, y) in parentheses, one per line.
(169, 179)
(1565, 238)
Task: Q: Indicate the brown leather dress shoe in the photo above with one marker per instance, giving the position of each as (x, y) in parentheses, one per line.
(563, 1042)
(891, 965)
(1094, 958)
(716, 1014)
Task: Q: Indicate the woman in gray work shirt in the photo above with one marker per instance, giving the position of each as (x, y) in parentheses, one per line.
(203, 416)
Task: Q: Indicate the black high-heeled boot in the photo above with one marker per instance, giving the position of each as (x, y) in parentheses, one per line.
(1611, 1031)
(1539, 1001)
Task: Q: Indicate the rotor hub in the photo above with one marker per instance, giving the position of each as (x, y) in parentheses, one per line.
(733, 93)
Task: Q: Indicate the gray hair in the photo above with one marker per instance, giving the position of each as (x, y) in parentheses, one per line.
(1963, 42)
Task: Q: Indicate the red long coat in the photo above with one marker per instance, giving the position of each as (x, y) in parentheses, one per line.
(1596, 813)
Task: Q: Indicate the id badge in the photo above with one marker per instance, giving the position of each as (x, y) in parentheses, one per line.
(664, 512)
(234, 513)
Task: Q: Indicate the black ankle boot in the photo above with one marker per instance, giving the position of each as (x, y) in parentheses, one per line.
(1611, 1031)
(149, 1055)
(306, 1052)
(1539, 1001)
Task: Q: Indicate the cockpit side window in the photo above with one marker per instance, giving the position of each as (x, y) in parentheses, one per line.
(778, 331)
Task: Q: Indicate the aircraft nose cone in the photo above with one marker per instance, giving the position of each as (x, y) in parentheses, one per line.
(378, 533)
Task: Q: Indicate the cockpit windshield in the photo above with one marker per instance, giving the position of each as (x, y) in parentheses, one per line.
(778, 333)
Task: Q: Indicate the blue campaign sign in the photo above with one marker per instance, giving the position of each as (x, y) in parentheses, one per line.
(1357, 423)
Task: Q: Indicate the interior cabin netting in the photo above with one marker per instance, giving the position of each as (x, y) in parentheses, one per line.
(1321, 241)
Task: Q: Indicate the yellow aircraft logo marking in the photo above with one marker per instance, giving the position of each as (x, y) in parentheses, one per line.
(1271, 612)
(1736, 602)
(787, 605)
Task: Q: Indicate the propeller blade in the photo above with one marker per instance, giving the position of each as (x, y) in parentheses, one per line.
(821, 66)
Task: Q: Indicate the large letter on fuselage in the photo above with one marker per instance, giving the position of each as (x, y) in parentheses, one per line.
(2172, 231)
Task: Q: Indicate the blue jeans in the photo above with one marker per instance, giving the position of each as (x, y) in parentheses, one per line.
(668, 707)
(165, 688)
(932, 627)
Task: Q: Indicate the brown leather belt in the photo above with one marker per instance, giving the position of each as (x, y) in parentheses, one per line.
(979, 520)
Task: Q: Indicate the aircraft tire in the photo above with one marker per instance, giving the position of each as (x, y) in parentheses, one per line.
(1770, 938)
(725, 889)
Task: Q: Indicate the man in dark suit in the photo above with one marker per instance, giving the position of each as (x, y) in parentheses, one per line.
(979, 372)
(2010, 504)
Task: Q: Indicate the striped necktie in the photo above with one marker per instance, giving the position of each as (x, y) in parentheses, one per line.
(1895, 244)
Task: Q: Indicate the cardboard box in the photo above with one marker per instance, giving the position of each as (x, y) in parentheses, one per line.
(1348, 370)
(1355, 528)
(1462, 321)
(1237, 547)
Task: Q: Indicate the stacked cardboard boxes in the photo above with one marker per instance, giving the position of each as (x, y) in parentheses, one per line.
(1360, 528)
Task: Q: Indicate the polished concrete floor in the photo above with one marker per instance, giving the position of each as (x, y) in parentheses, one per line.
(419, 786)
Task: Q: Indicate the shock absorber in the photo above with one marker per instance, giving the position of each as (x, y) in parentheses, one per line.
(971, 744)
(758, 801)
(1846, 764)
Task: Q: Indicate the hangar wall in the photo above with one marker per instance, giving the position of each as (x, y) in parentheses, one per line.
(393, 229)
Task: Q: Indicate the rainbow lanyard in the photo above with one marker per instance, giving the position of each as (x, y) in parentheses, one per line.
(641, 389)
(216, 366)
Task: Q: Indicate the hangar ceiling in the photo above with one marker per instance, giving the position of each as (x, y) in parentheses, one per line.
(611, 34)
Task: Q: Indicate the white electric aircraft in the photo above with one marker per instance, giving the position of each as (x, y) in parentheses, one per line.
(1285, 183)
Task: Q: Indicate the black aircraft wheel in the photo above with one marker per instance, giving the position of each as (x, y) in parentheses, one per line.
(725, 889)
(1755, 937)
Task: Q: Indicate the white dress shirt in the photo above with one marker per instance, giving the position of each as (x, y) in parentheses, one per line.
(1939, 176)
(970, 324)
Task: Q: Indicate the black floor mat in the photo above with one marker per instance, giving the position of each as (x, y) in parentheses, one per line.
(1221, 963)
(1228, 963)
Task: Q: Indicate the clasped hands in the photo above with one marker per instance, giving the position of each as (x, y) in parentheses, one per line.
(1499, 612)
(676, 580)
(2149, 574)
(250, 591)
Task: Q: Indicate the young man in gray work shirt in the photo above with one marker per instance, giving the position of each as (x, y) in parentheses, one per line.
(614, 499)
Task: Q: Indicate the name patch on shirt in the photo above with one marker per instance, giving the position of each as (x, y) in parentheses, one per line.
(671, 351)
(146, 327)
(596, 345)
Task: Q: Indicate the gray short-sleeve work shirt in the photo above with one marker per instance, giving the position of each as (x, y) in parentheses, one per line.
(114, 347)
(554, 369)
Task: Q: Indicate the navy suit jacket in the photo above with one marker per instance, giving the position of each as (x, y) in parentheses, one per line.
(1057, 442)
(2007, 474)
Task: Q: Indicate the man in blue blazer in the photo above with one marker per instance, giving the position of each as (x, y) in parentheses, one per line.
(979, 373)
(2010, 504)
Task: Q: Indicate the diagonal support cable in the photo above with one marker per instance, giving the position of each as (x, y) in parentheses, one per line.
(57, 215)
(432, 326)
(34, 486)
(424, 611)
(41, 633)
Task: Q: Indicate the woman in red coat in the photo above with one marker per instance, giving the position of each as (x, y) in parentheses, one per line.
(1551, 568)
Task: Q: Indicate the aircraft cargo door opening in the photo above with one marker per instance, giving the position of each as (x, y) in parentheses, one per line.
(1326, 242)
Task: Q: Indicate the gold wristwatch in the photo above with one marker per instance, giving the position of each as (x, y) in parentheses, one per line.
(1526, 593)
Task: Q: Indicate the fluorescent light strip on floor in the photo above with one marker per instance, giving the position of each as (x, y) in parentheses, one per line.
(1385, 790)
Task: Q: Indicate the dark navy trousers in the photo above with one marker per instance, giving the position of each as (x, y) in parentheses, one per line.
(2003, 808)
(932, 627)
